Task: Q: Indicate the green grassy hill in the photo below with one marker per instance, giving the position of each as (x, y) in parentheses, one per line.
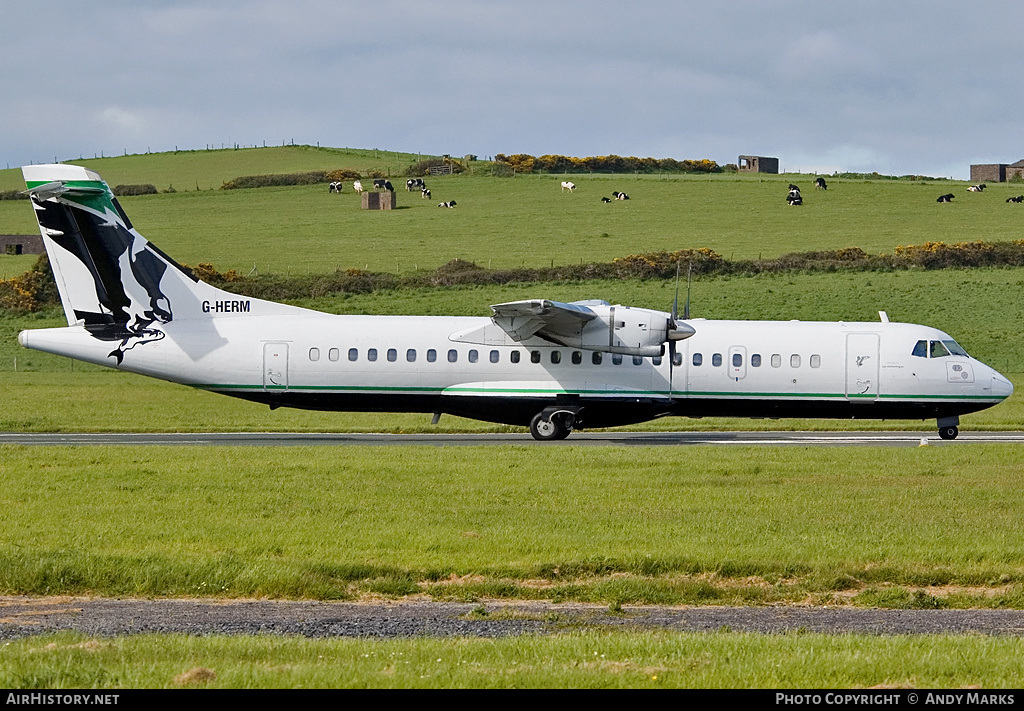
(208, 169)
(509, 222)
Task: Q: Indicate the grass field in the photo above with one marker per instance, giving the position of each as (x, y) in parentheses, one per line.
(889, 527)
(572, 660)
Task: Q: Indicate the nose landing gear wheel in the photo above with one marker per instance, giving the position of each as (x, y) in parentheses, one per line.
(948, 432)
(546, 430)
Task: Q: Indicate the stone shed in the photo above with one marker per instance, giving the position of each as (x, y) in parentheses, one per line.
(997, 172)
(21, 244)
(757, 164)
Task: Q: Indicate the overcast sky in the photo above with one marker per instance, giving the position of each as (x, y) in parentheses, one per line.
(894, 87)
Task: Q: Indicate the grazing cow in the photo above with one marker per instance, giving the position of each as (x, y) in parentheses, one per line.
(413, 183)
(383, 185)
(424, 192)
(1019, 198)
(620, 196)
(948, 197)
(335, 187)
(357, 186)
(820, 184)
(566, 185)
(606, 199)
(450, 203)
(794, 196)
(976, 188)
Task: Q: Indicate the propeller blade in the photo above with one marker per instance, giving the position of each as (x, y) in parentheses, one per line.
(686, 308)
(675, 300)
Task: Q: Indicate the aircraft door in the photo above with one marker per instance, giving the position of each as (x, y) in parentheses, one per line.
(862, 367)
(275, 366)
(737, 364)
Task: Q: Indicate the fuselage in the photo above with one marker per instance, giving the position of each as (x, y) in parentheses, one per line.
(291, 357)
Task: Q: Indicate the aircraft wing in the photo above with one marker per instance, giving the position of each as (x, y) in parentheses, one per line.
(552, 320)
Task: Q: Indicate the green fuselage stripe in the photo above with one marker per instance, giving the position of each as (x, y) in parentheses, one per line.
(456, 390)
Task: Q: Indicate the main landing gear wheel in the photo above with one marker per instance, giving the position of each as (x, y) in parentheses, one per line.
(546, 430)
(948, 432)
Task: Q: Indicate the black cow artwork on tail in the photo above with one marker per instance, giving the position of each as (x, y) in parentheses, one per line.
(127, 299)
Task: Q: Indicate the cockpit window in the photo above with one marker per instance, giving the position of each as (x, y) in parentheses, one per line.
(955, 348)
(920, 349)
(938, 350)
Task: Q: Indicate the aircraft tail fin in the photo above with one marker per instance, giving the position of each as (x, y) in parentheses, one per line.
(111, 280)
(109, 277)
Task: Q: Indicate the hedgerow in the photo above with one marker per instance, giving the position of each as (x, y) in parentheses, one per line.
(525, 163)
(35, 289)
(418, 170)
(276, 179)
(142, 189)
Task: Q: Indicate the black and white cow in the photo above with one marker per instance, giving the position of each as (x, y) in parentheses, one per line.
(620, 196)
(820, 184)
(606, 199)
(379, 184)
(335, 187)
(414, 183)
(566, 185)
(794, 196)
(1019, 198)
(948, 197)
(424, 192)
(976, 188)
(450, 203)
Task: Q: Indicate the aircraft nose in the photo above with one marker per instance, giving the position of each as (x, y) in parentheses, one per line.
(1001, 387)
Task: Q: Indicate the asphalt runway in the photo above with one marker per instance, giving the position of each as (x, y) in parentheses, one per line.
(643, 439)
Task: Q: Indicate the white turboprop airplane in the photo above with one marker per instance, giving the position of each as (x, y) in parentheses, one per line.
(552, 366)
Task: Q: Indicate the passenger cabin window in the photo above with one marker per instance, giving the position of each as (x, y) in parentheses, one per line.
(353, 353)
(474, 356)
(371, 354)
(716, 359)
(737, 360)
(514, 356)
(314, 354)
(776, 360)
(333, 354)
(410, 355)
(755, 360)
(596, 358)
(920, 349)
(577, 357)
(677, 359)
(494, 356)
(616, 359)
(431, 355)
(556, 357)
(453, 355)
(815, 361)
(392, 355)
(698, 359)
(535, 356)
(794, 361)
(656, 360)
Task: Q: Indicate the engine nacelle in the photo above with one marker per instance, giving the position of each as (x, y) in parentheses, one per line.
(625, 330)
